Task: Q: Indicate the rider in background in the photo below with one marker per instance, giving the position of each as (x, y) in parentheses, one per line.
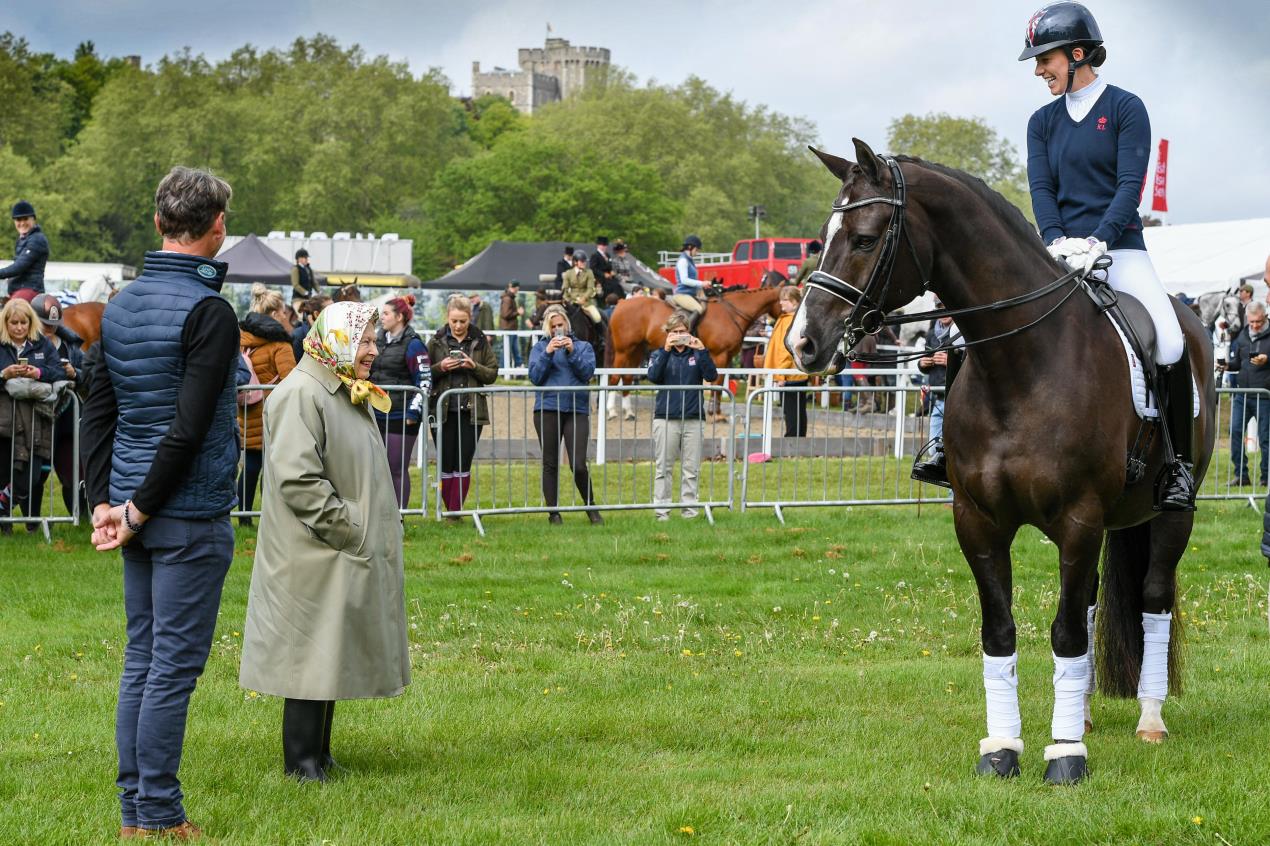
(688, 288)
(1087, 161)
(579, 287)
(809, 265)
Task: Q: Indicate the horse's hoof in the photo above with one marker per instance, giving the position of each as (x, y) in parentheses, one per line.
(1004, 763)
(612, 415)
(630, 415)
(1152, 735)
(1069, 769)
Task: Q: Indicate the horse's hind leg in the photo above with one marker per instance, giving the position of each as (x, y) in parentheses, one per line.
(1170, 533)
(1079, 541)
(986, 547)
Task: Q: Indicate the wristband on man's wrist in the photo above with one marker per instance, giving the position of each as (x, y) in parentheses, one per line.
(127, 521)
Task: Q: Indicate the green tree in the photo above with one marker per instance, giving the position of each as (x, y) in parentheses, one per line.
(34, 102)
(528, 189)
(968, 144)
(491, 117)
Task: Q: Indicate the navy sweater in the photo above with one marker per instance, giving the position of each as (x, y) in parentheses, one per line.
(684, 366)
(1086, 178)
(566, 369)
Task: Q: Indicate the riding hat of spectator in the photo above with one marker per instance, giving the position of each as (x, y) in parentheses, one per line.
(601, 241)
(48, 309)
(23, 209)
(692, 241)
(301, 253)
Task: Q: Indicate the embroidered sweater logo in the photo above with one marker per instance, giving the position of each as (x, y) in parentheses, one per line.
(1102, 124)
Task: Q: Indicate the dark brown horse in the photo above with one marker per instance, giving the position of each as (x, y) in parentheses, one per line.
(1038, 428)
(636, 327)
(349, 293)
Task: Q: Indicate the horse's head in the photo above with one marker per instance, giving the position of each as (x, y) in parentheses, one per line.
(859, 279)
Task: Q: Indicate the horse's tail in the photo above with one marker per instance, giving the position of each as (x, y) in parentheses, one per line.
(608, 341)
(1126, 557)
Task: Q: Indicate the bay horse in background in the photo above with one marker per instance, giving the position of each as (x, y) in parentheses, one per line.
(1039, 428)
(636, 328)
(349, 293)
(84, 319)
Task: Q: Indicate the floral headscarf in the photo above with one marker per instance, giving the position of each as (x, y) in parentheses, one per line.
(332, 342)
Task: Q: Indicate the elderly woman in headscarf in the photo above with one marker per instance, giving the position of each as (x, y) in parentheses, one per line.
(326, 615)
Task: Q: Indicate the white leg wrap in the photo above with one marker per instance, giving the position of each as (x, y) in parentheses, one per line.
(995, 744)
(1071, 680)
(1063, 750)
(1154, 681)
(1089, 627)
(1001, 689)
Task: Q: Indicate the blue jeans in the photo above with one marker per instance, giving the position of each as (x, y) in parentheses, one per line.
(1244, 407)
(172, 578)
(937, 418)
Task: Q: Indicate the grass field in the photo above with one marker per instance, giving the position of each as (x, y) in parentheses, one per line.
(660, 683)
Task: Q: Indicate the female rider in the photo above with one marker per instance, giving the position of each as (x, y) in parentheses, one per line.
(1087, 156)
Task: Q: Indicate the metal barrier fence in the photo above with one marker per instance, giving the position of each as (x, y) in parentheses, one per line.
(479, 474)
(39, 460)
(857, 450)
(406, 450)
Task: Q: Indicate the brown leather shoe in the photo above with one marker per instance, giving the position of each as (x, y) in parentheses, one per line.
(131, 832)
(185, 831)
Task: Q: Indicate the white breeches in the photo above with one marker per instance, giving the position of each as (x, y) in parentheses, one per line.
(1132, 272)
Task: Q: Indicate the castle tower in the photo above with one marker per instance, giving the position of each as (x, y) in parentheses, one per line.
(547, 74)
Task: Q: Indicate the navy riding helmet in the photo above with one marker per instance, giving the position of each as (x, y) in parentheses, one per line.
(1067, 26)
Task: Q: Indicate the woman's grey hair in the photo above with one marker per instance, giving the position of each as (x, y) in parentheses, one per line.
(187, 202)
(552, 310)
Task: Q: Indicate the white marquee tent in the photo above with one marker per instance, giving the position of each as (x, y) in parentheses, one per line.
(1195, 258)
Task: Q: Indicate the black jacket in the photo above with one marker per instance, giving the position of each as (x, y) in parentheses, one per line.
(936, 374)
(561, 267)
(264, 327)
(1239, 358)
(29, 257)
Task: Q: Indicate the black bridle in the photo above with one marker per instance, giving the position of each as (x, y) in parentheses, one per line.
(867, 316)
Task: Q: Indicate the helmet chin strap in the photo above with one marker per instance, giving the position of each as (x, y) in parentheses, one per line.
(1073, 64)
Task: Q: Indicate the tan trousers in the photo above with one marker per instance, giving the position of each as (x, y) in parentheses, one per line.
(687, 303)
(677, 439)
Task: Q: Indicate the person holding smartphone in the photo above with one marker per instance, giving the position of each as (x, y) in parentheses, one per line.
(563, 359)
(462, 357)
(678, 415)
(1249, 360)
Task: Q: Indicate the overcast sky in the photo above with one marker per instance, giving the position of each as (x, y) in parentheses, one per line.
(848, 65)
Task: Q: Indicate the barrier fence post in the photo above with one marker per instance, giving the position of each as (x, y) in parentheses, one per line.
(602, 423)
(768, 381)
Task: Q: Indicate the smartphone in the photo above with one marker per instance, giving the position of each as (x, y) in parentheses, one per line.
(455, 354)
(559, 333)
(21, 362)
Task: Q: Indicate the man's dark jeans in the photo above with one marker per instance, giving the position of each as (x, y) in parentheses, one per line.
(1244, 407)
(172, 578)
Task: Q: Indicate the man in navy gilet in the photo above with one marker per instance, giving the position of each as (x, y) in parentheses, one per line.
(161, 450)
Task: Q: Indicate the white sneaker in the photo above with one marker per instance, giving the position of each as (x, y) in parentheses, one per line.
(662, 517)
(689, 513)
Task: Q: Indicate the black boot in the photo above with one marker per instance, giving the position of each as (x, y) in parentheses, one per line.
(934, 470)
(304, 723)
(328, 763)
(1175, 490)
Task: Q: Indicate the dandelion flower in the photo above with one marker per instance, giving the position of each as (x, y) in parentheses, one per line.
(738, 653)
(687, 829)
(1197, 820)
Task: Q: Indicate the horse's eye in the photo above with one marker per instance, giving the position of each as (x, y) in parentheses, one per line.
(863, 243)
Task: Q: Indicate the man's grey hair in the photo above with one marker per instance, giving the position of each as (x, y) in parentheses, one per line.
(187, 202)
(1255, 307)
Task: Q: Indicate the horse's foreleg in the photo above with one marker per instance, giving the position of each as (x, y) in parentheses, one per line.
(1079, 543)
(987, 550)
(1170, 532)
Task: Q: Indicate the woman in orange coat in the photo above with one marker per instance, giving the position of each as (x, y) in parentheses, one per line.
(265, 336)
(777, 357)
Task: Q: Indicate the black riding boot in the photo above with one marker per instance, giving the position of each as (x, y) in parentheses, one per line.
(1176, 488)
(328, 763)
(934, 469)
(304, 726)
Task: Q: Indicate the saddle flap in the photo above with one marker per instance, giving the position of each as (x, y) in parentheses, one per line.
(1128, 313)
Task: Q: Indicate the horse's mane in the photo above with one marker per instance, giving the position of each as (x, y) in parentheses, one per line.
(1003, 208)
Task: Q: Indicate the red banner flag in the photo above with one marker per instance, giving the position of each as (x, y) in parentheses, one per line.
(1159, 202)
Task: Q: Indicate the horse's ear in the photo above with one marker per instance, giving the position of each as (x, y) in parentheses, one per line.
(837, 166)
(870, 164)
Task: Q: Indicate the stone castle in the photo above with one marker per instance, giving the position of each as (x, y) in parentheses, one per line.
(547, 74)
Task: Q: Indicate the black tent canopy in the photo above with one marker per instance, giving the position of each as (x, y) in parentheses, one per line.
(251, 261)
(502, 261)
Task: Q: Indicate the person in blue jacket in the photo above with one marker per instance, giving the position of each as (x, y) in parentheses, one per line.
(29, 255)
(561, 359)
(24, 354)
(678, 416)
(1087, 156)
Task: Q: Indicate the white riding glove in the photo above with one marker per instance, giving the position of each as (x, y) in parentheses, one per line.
(1078, 253)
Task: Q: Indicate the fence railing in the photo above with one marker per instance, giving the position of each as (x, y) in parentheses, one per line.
(481, 473)
(40, 462)
(857, 449)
